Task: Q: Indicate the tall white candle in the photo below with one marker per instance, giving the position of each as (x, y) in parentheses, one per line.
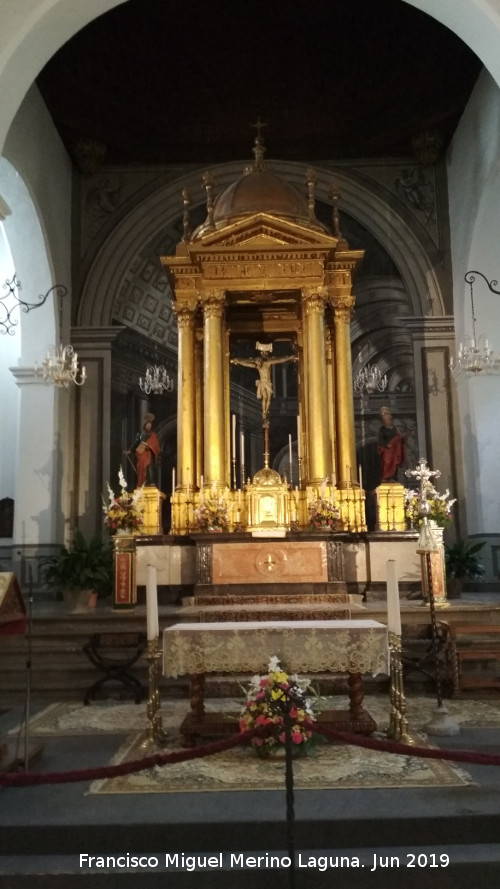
(393, 605)
(173, 480)
(299, 444)
(360, 473)
(233, 437)
(152, 625)
(242, 458)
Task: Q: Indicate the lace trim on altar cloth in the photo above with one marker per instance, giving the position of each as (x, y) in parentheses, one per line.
(304, 647)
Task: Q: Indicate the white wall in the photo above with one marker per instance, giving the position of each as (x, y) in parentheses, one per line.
(474, 202)
(35, 182)
(10, 346)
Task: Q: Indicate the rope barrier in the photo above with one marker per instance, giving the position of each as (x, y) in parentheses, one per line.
(24, 779)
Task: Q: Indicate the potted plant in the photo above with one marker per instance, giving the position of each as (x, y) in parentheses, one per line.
(462, 563)
(80, 570)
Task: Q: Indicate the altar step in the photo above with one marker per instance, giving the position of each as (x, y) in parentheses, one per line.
(224, 608)
(288, 611)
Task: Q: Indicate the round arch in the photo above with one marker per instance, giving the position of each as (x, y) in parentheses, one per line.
(415, 256)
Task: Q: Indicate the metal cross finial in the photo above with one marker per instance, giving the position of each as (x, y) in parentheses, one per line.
(258, 126)
(422, 472)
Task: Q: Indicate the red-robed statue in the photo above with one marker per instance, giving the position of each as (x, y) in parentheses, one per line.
(390, 447)
(145, 449)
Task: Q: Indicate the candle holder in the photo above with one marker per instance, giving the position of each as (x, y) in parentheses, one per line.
(398, 726)
(156, 736)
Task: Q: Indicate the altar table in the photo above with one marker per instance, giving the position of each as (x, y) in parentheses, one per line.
(340, 646)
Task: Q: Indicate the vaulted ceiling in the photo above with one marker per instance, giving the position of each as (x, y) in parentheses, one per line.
(176, 81)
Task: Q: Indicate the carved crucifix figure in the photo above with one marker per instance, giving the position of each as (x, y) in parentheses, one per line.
(263, 382)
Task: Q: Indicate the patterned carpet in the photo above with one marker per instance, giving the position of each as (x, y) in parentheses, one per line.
(111, 717)
(330, 766)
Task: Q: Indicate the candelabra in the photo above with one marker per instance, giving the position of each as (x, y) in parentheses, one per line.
(156, 381)
(475, 354)
(369, 379)
(156, 736)
(60, 366)
(398, 726)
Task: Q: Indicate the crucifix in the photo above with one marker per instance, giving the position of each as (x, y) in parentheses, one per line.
(422, 473)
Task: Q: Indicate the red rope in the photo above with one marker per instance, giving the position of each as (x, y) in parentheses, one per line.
(24, 779)
(482, 759)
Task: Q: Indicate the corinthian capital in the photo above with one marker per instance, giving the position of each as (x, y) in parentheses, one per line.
(314, 299)
(184, 312)
(343, 305)
(212, 303)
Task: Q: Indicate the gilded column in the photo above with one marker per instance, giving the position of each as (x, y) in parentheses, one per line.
(343, 305)
(313, 303)
(213, 388)
(198, 358)
(186, 398)
(330, 387)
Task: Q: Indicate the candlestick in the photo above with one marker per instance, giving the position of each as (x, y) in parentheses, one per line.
(393, 604)
(152, 604)
(242, 459)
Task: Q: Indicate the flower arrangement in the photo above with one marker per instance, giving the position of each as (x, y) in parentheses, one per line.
(268, 698)
(440, 506)
(211, 515)
(123, 512)
(323, 513)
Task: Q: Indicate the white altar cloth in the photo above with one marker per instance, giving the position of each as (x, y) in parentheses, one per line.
(336, 646)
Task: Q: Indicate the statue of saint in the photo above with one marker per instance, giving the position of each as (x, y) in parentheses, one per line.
(145, 450)
(263, 382)
(390, 447)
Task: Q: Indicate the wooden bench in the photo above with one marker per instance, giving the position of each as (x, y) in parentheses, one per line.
(469, 643)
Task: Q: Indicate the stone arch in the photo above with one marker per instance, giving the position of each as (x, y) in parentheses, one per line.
(412, 251)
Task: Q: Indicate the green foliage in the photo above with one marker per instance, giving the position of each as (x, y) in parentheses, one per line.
(81, 566)
(462, 560)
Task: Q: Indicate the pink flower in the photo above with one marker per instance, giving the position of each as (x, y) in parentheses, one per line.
(262, 720)
(296, 737)
(293, 713)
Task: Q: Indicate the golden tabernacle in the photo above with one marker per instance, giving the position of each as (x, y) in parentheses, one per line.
(262, 270)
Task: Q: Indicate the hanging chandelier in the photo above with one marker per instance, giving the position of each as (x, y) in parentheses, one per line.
(370, 380)
(156, 380)
(475, 354)
(60, 366)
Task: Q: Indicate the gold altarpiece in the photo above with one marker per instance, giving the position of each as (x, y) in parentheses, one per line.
(261, 275)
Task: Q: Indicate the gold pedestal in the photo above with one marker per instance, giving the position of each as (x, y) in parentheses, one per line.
(151, 504)
(391, 507)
